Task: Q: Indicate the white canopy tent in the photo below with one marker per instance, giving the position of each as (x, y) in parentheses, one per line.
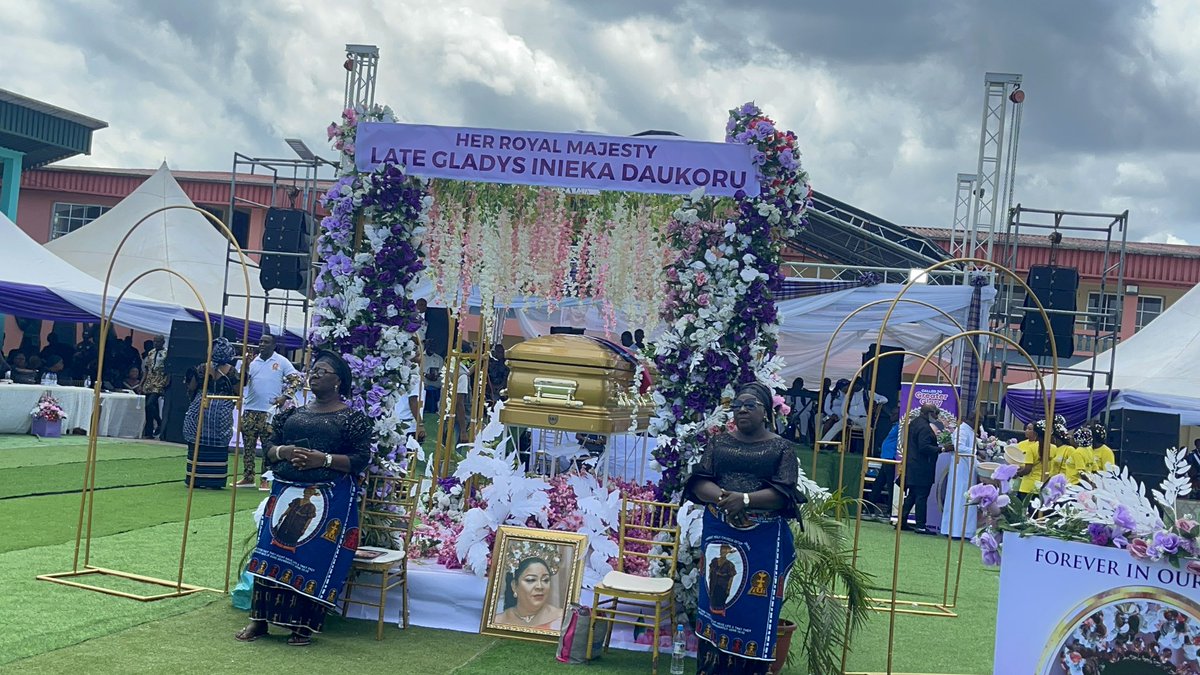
(181, 240)
(36, 283)
(1156, 369)
(807, 323)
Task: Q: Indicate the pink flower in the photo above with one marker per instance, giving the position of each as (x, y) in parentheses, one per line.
(1193, 566)
(703, 300)
(1185, 525)
(1138, 548)
(702, 277)
(349, 115)
(331, 131)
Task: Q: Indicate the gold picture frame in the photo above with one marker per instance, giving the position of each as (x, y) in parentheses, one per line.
(534, 575)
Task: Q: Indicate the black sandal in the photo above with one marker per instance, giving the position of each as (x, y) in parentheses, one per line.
(250, 634)
(299, 640)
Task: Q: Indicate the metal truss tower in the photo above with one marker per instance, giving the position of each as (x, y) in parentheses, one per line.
(362, 65)
(998, 138)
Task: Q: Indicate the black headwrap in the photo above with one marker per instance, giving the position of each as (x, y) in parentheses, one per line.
(763, 394)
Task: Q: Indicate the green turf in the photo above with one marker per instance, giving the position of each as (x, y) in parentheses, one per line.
(52, 519)
(41, 480)
(76, 451)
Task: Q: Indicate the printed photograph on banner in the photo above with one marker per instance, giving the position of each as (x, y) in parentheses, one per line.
(534, 575)
(299, 519)
(1127, 631)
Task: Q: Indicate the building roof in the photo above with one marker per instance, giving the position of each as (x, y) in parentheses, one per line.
(44, 133)
(198, 176)
(1078, 243)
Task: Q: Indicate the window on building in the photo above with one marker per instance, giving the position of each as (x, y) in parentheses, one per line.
(70, 217)
(1103, 303)
(240, 227)
(1148, 307)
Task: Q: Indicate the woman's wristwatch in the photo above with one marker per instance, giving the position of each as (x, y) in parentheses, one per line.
(328, 460)
(746, 498)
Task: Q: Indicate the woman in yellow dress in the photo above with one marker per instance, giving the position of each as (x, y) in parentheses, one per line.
(1084, 452)
(1102, 454)
(1030, 472)
(1064, 456)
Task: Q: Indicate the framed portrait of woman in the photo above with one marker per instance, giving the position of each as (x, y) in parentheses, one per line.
(534, 575)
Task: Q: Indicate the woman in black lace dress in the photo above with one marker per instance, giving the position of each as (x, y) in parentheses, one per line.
(747, 482)
(310, 526)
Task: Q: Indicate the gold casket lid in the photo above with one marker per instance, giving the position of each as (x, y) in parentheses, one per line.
(578, 350)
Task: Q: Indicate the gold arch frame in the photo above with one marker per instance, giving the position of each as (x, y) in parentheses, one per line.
(945, 609)
(83, 534)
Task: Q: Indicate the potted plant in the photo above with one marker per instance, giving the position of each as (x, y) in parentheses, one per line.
(47, 417)
(825, 585)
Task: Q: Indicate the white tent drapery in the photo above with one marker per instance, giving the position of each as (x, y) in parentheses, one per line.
(37, 270)
(1156, 369)
(806, 323)
(181, 240)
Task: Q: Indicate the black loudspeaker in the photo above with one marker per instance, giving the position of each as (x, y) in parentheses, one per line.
(175, 405)
(1142, 439)
(565, 330)
(1056, 288)
(437, 329)
(286, 231)
(188, 345)
(891, 370)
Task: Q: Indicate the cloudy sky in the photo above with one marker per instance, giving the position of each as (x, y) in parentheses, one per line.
(886, 97)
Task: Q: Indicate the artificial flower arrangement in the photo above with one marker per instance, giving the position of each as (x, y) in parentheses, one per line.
(48, 409)
(1106, 508)
(989, 448)
(458, 529)
(372, 250)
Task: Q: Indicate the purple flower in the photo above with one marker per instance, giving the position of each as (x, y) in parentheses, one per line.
(1100, 534)
(787, 160)
(983, 495)
(1004, 474)
(1122, 518)
(1055, 487)
(1167, 541)
(989, 547)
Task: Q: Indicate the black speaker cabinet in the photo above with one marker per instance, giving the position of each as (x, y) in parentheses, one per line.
(1145, 432)
(286, 231)
(891, 371)
(1056, 288)
(188, 345)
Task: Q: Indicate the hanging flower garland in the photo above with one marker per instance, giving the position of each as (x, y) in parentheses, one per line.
(722, 324)
(364, 308)
(511, 241)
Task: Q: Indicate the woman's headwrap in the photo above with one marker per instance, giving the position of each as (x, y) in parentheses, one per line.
(1083, 437)
(764, 396)
(222, 352)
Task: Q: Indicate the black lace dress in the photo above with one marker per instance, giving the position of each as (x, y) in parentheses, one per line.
(342, 432)
(738, 466)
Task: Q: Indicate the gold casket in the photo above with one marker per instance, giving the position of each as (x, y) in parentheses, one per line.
(572, 383)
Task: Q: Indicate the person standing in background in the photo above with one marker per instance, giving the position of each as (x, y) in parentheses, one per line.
(265, 379)
(433, 380)
(154, 384)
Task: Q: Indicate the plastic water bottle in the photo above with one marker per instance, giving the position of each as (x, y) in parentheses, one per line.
(678, 651)
(87, 383)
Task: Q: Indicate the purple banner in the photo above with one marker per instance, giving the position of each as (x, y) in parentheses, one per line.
(941, 395)
(581, 161)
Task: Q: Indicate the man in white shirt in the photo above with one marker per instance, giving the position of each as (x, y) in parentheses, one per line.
(409, 409)
(264, 388)
(433, 380)
(853, 409)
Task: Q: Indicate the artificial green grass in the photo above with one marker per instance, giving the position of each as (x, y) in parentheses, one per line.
(71, 450)
(40, 480)
(52, 519)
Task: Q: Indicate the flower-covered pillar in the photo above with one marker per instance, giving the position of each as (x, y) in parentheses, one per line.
(371, 252)
(720, 315)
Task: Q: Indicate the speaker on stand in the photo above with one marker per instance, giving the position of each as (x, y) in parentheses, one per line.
(887, 383)
(186, 348)
(1055, 288)
(286, 261)
(1140, 440)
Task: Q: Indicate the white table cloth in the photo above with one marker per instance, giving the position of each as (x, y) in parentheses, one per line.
(121, 414)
